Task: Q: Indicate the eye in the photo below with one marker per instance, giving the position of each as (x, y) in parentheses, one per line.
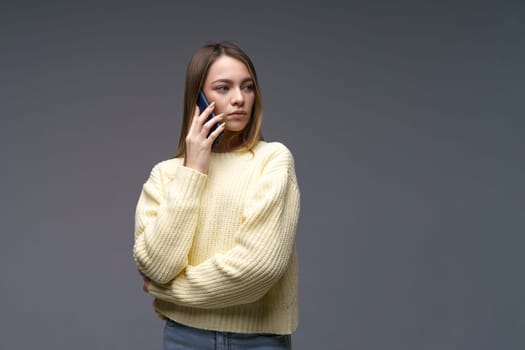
(222, 88)
(249, 87)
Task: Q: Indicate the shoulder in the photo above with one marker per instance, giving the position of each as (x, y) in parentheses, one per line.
(164, 169)
(276, 157)
(274, 150)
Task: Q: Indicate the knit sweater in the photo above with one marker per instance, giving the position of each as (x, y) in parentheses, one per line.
(219, 248)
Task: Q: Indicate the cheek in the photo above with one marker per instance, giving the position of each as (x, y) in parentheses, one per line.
(221, 107)
(220, 102)
(251, 102)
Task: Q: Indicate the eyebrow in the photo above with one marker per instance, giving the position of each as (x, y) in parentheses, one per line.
(229, 81)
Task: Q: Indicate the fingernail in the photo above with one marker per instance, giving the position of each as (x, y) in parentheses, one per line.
(212, 104)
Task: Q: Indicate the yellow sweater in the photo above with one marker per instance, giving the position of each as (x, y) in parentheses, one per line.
(220, 248)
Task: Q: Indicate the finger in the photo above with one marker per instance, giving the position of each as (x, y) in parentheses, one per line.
(210, 123)
(145, 287)
(199, 118)
(217, 131)
(195, 117)
(206, 112)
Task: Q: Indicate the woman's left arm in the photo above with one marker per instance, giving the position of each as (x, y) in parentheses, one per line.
(262, 250)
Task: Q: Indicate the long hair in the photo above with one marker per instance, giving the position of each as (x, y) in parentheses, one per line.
(196, 73)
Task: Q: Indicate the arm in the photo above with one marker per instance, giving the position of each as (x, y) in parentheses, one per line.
(260, 256)
(165, 227)
(165, 223)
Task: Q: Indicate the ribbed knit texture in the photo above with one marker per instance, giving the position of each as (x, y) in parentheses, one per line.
(220, 248)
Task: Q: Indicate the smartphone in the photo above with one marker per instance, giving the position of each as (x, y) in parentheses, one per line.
(203, 103)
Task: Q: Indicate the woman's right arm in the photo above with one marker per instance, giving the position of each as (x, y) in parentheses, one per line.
(164, 227)
(165, 223)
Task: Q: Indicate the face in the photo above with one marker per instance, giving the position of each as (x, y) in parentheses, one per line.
(230, 85)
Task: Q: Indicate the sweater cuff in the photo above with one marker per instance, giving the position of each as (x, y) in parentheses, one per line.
(157, 292)
(187, 183)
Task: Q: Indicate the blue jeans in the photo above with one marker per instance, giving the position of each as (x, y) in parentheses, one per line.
(180, 337)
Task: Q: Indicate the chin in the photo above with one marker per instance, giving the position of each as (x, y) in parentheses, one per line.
(235, 127)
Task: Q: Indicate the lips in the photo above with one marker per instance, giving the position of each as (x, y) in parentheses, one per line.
(238, 114)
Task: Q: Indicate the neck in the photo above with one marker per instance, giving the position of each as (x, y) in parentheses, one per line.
(228, 142)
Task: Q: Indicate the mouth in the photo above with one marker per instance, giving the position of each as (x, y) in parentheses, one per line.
(238, 114)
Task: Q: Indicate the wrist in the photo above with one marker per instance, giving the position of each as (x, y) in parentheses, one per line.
(196, 167)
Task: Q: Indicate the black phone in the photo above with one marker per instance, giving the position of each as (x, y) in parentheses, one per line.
(203, 103)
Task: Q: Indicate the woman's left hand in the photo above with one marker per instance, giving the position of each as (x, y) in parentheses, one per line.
(145, 287)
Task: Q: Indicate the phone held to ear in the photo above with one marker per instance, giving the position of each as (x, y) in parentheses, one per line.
(203, 103)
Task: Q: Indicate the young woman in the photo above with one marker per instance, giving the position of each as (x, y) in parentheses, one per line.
(215, 226)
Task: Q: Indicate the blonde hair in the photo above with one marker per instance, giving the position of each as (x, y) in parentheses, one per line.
(196, 72)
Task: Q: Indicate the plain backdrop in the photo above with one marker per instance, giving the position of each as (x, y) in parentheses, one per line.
(406, 120)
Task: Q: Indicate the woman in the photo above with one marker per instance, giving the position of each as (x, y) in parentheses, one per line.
(215, 226)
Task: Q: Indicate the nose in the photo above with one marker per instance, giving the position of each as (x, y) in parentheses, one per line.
(237, 98)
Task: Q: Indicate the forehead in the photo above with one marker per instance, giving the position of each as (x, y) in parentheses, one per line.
(226, 67)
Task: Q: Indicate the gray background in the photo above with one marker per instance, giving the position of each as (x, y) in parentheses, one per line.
(406, 120)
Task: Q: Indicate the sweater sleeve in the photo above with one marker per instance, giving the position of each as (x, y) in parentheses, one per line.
(165, 222)
(260, 255)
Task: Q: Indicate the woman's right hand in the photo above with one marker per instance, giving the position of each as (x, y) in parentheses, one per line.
(198, 144)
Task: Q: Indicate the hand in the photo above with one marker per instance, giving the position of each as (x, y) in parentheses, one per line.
(145, 287)
(198, 143)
